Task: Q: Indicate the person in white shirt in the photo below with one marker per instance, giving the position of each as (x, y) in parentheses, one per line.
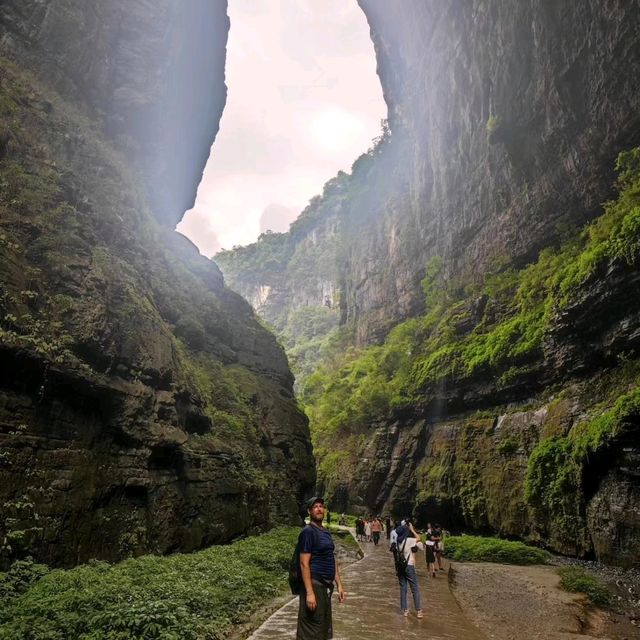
(367, 530)
(394, 538)
(408, 544)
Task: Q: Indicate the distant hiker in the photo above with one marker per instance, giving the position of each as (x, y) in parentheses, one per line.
(393, 536)
(367, 530)
(387, 527)
(430, 546)
(319, 572)
(328, 518)
(408, 544)
(376, 528)
(393, 543)
(439, 546)
(343, 520)
(359, 529)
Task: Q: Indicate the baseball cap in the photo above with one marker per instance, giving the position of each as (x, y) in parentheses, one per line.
(312, 501)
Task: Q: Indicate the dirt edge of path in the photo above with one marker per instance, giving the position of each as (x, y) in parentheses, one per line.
(505, 601)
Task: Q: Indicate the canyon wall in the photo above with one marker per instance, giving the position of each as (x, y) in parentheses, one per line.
(151, 73)
(143, 408)
(456, 228)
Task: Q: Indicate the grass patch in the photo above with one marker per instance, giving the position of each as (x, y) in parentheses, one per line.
(181, 597)
(579, 580)
(481, 549)
(350, 521)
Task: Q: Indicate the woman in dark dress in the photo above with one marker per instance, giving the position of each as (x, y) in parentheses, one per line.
(430, 550)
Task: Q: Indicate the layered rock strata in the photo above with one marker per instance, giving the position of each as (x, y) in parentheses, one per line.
(143, 408)
(505, 125)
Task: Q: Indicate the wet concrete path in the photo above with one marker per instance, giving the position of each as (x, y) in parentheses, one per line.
(372, 608)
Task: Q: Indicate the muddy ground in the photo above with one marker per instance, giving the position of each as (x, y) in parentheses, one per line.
(508, 602)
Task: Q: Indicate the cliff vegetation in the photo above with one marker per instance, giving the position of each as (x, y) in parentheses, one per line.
(496, 328)
(142, 406)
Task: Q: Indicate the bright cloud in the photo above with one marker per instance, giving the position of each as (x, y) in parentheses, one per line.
(335, 130)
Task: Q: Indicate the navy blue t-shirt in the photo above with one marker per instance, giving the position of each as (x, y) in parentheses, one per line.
(323, 562)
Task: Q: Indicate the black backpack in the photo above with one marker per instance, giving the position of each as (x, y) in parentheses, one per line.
(401, 561)
(295, 575)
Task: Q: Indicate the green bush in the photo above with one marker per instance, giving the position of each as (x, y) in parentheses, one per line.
(579, 580)
(508, 446)
(350, 520)
(21, 575)
(481, 549)
(182, 597)
(556, 466)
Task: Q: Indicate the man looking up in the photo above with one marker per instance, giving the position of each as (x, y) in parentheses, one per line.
(319, 572)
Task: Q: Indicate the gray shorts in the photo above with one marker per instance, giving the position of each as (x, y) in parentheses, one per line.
(315, 625)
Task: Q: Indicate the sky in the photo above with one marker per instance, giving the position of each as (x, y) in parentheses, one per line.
(304, 101)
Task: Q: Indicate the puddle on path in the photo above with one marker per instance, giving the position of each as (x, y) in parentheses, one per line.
(372, 608)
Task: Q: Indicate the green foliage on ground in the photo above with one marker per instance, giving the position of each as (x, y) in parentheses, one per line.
(349, 519)
(557, 465)
(579, 580)
(481, 549)
(182, 597)
(493, 329)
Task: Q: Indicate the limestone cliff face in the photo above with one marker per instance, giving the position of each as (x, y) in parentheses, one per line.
(505, 123)
(151, 71)
(505, 128)
(143, 408)
(513, 120)
(513, 117)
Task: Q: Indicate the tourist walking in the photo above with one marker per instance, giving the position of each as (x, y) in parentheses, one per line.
(359, 529)
(393, 537)
(408, 544)
(393, 546)
(439, 545)
(319, 573)
(430, 546)
(376, 528)
(367, 530)
(387, 527)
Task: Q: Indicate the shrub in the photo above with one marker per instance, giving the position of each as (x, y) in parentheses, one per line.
(556, 466)
(181, 597)
(481, 549)
(508, 446)
(492, 125)
(579, 580)
(21, 575)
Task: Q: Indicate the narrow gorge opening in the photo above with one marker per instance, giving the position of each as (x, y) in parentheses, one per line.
(303, 102)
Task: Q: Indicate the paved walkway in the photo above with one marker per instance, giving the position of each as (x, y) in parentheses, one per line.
(372, 608)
